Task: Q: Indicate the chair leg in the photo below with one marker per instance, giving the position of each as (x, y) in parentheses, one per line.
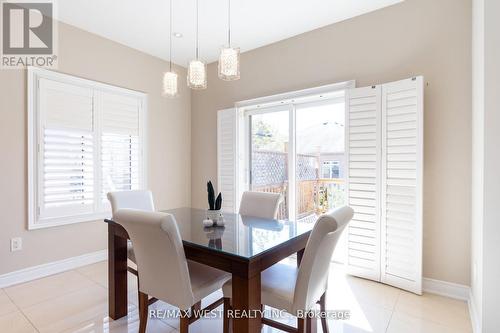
(227, 306)
(184, 325)
(322, 305)
(262, 314)
(143, 312)
(309, 324)
(196, 309)
(301, 325)
(305, 325)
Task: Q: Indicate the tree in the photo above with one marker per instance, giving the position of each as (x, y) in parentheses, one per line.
(265, 137)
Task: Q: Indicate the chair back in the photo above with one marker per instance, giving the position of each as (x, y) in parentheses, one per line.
(137, 199)
(161, 262)
(313, 272)
(260, 204)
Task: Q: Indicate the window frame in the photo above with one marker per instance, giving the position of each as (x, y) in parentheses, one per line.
(35, 137)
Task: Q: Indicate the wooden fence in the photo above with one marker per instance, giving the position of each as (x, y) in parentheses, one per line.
(314, 196)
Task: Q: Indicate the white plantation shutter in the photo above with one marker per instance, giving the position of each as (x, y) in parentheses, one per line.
(66, 149)
(363, 143)
(227, 157)
(85, 139)
(121, 147)
(385, 173)
(402, 147)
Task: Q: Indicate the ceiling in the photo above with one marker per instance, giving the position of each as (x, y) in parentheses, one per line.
(144, 24)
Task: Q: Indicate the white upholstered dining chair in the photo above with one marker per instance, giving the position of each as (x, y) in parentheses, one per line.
(164, 271)
(299, 289)
(136, 199)
(260, 204)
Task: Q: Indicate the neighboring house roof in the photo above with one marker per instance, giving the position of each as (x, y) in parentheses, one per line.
(322, 138)
(270, 167)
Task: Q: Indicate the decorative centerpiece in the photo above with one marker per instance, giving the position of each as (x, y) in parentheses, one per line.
(214, 212)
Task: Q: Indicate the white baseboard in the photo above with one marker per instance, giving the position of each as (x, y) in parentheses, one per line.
(448, 289)
(36, 272)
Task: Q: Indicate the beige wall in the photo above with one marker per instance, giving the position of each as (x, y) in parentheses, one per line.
(418, 37)
(427, 37)
(169, 135)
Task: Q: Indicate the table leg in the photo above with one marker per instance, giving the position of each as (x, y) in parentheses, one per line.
(246, 297)
(117, 274)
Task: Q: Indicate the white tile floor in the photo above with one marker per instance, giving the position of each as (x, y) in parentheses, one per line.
(76, 301)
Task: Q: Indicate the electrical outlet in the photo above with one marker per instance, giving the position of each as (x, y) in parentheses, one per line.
(16, 244)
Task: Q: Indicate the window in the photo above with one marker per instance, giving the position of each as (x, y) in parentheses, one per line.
(85, 139)
(331, 169)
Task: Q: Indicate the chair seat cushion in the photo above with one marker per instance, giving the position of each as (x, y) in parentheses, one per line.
(277, 285)
(205, 280)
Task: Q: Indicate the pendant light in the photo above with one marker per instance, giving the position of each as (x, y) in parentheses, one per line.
(170, 86)
(229, 58)
(197, 69)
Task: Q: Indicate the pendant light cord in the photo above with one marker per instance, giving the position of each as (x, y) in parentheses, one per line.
(170, 34)
(197, 10)
(229, 23)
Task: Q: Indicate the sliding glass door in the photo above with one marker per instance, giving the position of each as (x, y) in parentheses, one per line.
(319, 158)
(297, 149)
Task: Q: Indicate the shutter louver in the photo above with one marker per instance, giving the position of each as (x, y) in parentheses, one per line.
(68, 168)
(120, 144)
(66, 150)
(402, 146)
(363, 178)
(227, 158)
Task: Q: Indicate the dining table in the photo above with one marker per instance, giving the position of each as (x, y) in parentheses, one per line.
(244, 246)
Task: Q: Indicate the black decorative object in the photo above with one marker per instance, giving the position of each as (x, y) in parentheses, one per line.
(214, 212)
(211, 196)
(218, 202)
(213, 203)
